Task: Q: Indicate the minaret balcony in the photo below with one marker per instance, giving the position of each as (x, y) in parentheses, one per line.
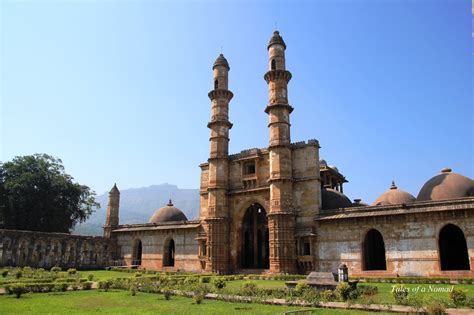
(273, 75)
(220, 93)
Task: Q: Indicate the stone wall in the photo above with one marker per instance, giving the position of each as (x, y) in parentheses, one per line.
(46, 250)
(411, 241)
(153, 248)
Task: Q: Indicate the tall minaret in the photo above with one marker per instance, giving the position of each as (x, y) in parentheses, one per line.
(281, 217)
(217, 221)
(112, 218)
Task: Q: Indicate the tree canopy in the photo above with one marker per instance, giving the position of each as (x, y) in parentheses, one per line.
(37, 195)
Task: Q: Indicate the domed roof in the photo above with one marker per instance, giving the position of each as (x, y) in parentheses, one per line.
(446, 185)
(359, 203)
(323, 163)
(167, 214)
(276, 39)
(333, 199)
(221, 61)
(394, 196)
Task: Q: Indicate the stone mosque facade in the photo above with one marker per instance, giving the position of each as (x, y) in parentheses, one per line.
(282, 209)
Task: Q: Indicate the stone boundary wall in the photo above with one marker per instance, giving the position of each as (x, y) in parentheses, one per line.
(46, 250)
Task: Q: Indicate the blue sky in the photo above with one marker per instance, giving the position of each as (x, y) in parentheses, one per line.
(118, 89)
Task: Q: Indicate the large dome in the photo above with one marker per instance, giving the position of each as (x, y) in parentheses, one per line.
(333, 199)
(394, 196)
(167, 214)
(446, 185)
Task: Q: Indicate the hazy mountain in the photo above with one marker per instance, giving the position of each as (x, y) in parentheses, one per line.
(138, 204)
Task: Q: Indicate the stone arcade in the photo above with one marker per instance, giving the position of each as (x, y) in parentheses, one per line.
(281, 209)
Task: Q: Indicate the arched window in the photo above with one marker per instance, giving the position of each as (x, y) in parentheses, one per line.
(273, 64)
(453, 248)
(374, 251)
(137, 253)
(216, 84)
(169, 253)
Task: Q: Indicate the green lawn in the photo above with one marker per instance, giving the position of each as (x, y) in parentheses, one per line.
(121, 302)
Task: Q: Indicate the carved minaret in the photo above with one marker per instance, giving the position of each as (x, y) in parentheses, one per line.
(217, 221)
(281, 217)
(112, 218)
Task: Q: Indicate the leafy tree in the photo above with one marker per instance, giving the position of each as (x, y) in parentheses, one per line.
(37, 195)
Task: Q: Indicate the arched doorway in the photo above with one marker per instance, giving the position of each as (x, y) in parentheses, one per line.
(255, 249)
(137, 253)
(374, 251)
(168, 253)
(453, 248)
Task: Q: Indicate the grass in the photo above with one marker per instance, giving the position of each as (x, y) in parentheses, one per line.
(121, 302)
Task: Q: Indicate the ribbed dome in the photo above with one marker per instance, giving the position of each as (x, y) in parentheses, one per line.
(394, 196)
(323, 163)
(333, 199)
(221, 61)
(276, 39)
(446, 185)
(167, 214)
(114, 190)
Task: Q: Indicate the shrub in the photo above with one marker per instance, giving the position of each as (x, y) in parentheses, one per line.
(249, 288)
(87, 285)
(191, 280)
(18, 290)
(328, 296)
(133, 290)
(458, 297)
(343, 291)
(90, 277)
(138, 274)
(18, 274)
(368, 290)
(60, 287)
(71, 271)
(219, 283)
(167, 293)
(74, 287)
(105, 285)
(300, 288)
(400, 294)
(198, 297)
(205, 279)
(56, 269)
(435, 307)
(4, 273)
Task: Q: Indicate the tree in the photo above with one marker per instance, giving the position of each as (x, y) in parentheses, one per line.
(37, 195)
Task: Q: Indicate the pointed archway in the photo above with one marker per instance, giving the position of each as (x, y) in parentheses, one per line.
(453, 248)
(255, 245)
(374, 251)
(137, 253)
(169, 253)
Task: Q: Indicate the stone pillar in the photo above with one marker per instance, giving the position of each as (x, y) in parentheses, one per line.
(281, 217)
(112, 216)
(217, 221)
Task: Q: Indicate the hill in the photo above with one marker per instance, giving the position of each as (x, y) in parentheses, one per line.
(138, 204)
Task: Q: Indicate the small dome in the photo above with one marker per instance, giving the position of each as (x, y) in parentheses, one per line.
(446, 185)
(276, 39)
(221, 61)
(334, 168)
(359, 203)
(394, 196)
(323, 163)
(333, 199)
(167, 214)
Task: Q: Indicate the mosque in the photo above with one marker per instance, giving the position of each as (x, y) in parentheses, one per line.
(282, 209)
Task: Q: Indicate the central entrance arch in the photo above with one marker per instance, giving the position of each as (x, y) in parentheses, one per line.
(255, 248)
